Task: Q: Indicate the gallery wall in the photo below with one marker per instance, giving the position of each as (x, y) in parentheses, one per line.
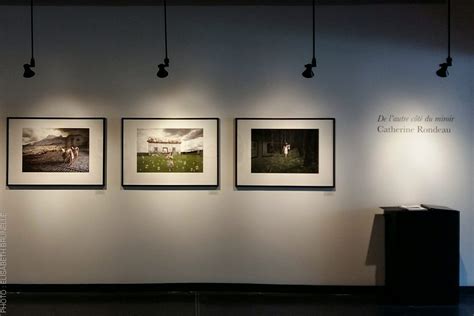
(232, 62)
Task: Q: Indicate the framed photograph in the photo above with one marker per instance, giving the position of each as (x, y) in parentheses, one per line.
(63, 152)
(286, 153)
(170, 152)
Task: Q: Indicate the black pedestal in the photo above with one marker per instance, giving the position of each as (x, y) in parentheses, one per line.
(422, 256)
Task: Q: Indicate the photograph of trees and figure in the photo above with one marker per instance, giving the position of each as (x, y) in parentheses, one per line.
(169, 150)
(55, 150)
(285, 150)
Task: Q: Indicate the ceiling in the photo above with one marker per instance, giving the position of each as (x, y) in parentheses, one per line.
(212, 2)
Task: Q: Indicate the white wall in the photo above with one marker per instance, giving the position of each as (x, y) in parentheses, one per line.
(238, 62)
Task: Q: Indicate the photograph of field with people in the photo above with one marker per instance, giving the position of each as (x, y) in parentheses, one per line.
(55, 150)
(170, 150)
(285, 151)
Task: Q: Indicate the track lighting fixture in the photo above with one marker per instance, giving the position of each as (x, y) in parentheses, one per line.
(162, 73)
(443, 71)
(28, 72)
(308, 73)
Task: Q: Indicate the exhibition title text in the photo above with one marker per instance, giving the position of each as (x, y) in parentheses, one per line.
(414, 124)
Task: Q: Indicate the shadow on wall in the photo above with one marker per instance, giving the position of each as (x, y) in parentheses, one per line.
(463, 275)
(376, 250)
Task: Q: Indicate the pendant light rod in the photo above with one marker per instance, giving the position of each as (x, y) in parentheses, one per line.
(27, 71)
(32, 30)
(314, 32)
(443, 70)
(308, 73)
(449, 28)
(162, 73)
(166, 30)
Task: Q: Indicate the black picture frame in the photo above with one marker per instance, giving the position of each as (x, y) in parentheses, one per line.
(326, 187)
(100, 185)
(213, 186)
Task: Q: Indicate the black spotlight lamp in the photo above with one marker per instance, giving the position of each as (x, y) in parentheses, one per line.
(28, 72)
(443, 70)
(162, 72)
(308, 73)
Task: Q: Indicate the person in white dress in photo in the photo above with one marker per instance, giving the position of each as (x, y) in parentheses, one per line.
(286, 149)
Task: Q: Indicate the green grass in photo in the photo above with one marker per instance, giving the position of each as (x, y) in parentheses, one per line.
(191, 162)
(278, 163)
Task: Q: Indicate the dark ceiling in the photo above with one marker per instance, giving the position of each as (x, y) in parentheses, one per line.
(212, 2)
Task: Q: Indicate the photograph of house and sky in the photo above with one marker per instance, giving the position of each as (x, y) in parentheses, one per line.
(170, 150)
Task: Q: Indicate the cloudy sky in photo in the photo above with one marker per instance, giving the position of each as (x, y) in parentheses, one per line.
(191, 139)
(32, 135)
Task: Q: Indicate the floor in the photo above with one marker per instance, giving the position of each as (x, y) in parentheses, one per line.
(220, 304)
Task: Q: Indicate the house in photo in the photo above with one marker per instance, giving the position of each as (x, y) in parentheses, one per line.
(162, 146)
